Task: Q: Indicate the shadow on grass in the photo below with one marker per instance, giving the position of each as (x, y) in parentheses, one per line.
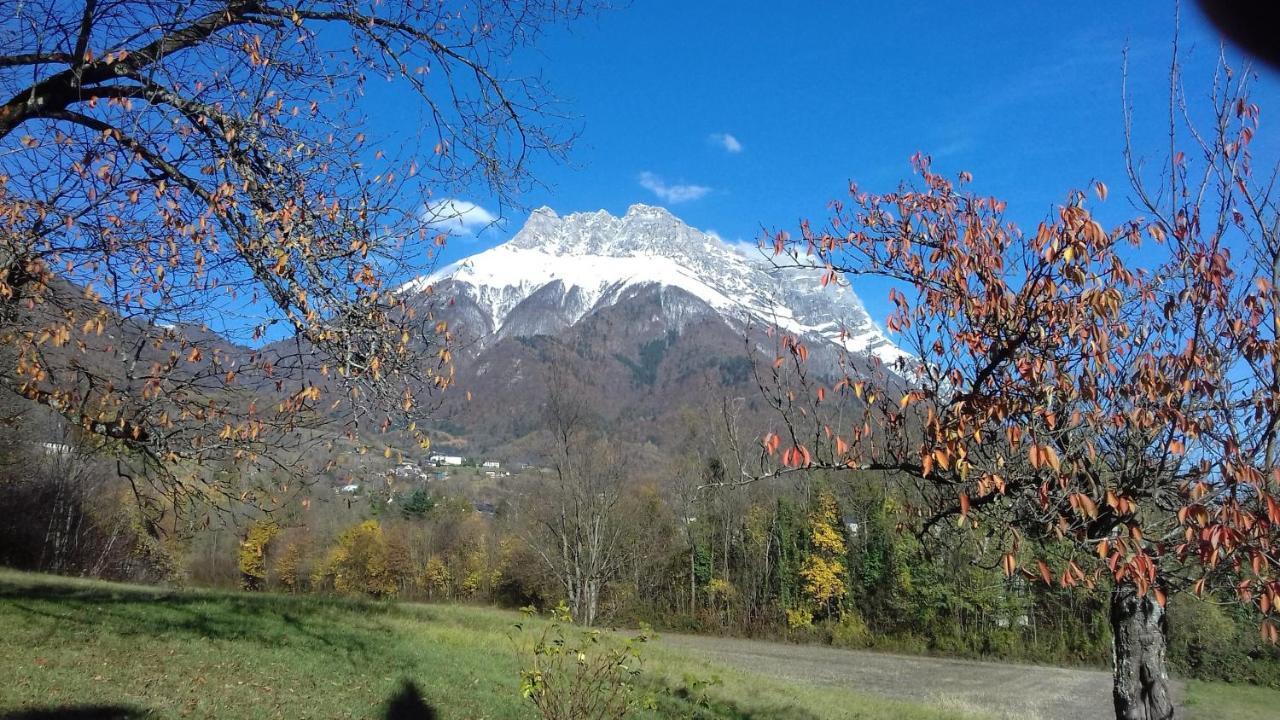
(406, 704)
(310, 624)
(679, 702)
(409, 705)
(77, 712)
(321, 624)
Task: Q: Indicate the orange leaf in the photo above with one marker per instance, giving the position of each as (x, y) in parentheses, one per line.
(771, 442)
(1050, 457)
(1009, 563)
(1085, 505)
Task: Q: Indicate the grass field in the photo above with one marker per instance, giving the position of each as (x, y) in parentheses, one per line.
(122, 651)
(112, 650)
(1211, 701)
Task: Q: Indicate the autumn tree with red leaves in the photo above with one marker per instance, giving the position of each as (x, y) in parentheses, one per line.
(170, 166)
(1101, 403)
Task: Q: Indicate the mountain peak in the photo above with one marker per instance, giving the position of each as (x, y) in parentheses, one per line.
(585, 260)
(643, 230)
(655, 211)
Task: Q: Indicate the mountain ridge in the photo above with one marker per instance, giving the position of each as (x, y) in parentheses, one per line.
(579, 263)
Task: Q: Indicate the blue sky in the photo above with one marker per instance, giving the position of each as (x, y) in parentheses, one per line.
(1025, 96)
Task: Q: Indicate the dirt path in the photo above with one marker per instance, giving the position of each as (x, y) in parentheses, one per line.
(1007, 692)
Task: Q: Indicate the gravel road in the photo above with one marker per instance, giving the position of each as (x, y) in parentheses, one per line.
(998, 690)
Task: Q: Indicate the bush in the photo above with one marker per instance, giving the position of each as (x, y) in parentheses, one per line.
(799, 618)
(851, 632)
(578, 674)
(1208, 643)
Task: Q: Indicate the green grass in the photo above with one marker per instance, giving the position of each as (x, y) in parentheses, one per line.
(196, 654)
(1220, 701)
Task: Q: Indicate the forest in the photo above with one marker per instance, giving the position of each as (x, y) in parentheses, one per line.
(821, 558)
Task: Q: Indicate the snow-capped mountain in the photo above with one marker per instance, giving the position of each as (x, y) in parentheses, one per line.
(556, 271)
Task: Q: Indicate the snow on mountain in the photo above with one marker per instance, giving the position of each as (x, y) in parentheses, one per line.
(573, 265)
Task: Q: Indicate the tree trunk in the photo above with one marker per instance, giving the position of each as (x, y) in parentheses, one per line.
(1140, 678)
(693, 575)
(593, 600)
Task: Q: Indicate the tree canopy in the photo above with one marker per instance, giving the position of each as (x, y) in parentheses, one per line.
(1112, 388)
(177, 175)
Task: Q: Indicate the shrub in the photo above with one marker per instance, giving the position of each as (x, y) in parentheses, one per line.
(851, 631)
(798, 618)
(1208, 643)
(571, 674)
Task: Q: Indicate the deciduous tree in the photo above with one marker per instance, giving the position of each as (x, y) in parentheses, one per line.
(361, 563)
(252, 558)
(1110, 392)
(580, 532)
(167, 167)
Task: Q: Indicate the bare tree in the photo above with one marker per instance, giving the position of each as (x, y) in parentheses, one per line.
(577, 511)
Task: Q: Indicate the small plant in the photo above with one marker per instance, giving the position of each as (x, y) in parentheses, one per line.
(694, 691)
(799, 617)
(571, 674)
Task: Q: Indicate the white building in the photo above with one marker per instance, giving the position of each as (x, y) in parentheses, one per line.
(446, 459)
(56, 449)
(409, 471)
(491, 465)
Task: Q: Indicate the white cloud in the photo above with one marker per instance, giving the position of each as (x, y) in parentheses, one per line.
(458, 216)
(673, 194)
(726, 141)
(749, 248)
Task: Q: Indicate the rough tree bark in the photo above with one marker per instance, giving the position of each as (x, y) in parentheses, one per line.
(1140, 677)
